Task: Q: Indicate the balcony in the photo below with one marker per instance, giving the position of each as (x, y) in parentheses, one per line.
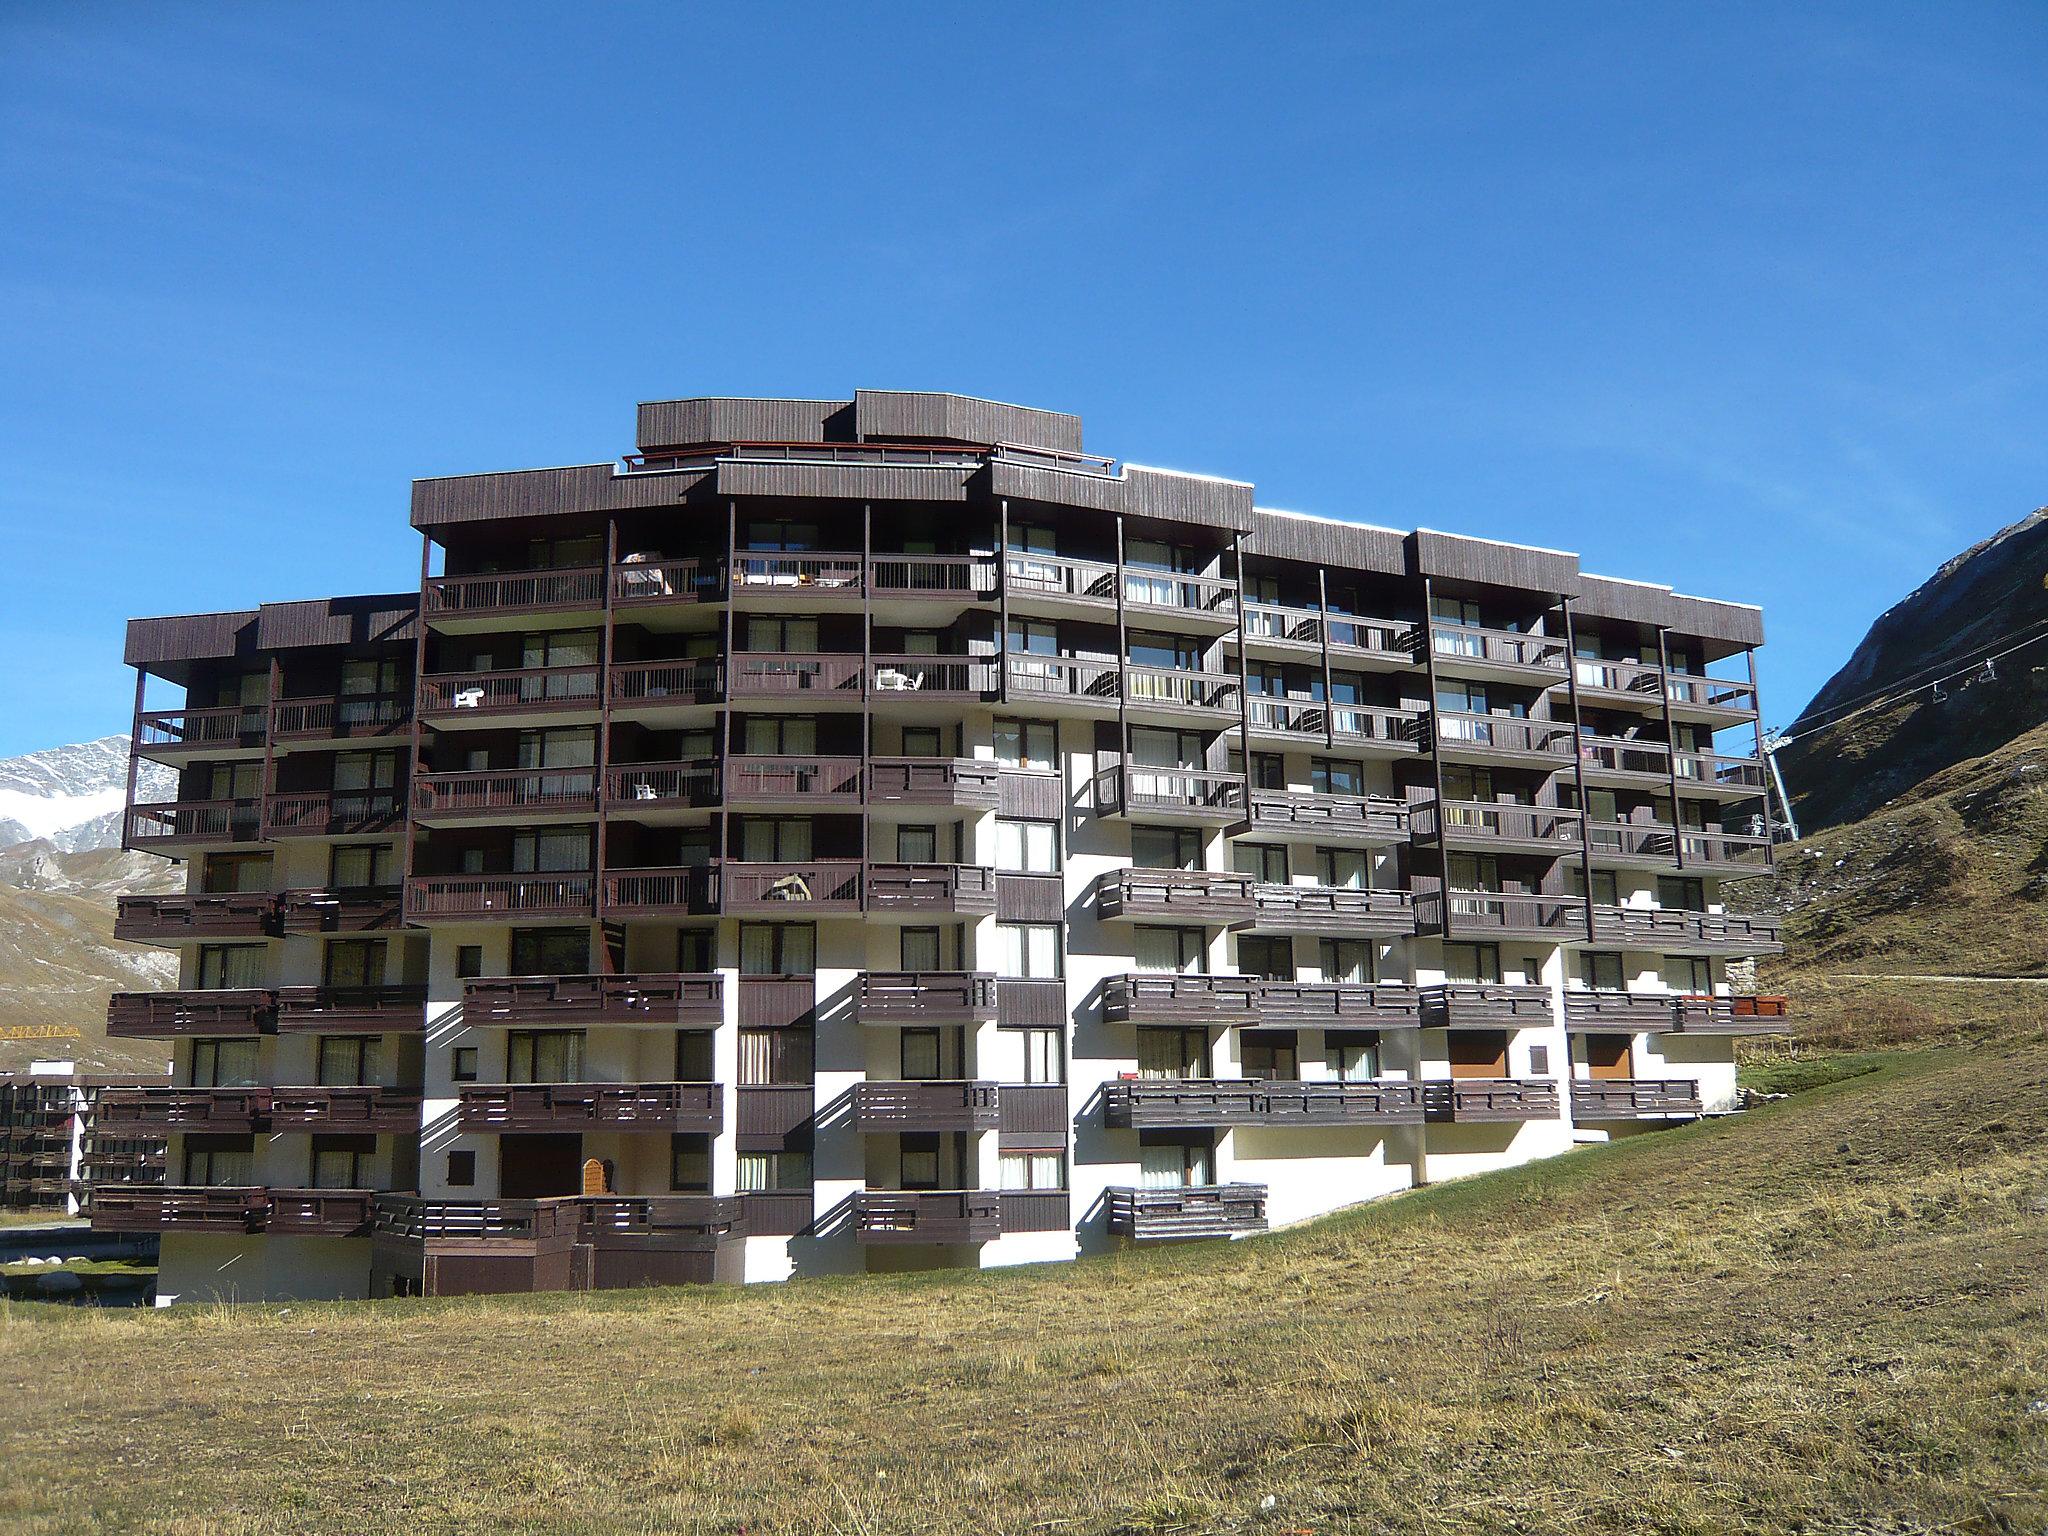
(1493, 739)
(1338, 911)
(1637, 844)
(1340, 1004)
(508, 697)
(670, 1000)
(1463, 650)
(1620, 684)
(192, 823)
(946, 579)
(1486, 1005)
(1169, 998)
(1174, 691)
(818, 888)
(471, 602)
(789, 780)
(523, 795)
(173, 734)
(1170, 794)
(363, 909)
(1057, 680)
(133, 1112)
(909, 679)
(1709, 699)
(1367, 728)
(924, 997)
(375, 1010)
(1635, 1098)
(1498, 827)
(921, 890)
(1372, 820)
(162, 1208)
(333, 813)
(927, 1216)
(939, 1105)
(369, 1110)
(661, 791)
(175, 1015)
(777, 1002)
(1672, 930)
(1626, 760)
(1492, 1100)
(520, 1107)
(1193, 1210)
(955, 781)
(590, 1243)
(1739, 1014)
(1726, 854)
(1222, 1103)
(345, 717)
(651, 689)
(811, 679)
(1032, 1115)
(318, 1212)
(1494, 914)
(1056, 582)
(1711, 774)
(808, 576)
(679, 891)
(1175, 895)
(177, 919)
(1179, 599)
(637, 583)
(491, 898)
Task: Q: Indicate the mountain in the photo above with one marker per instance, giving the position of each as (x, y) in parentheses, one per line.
(71, 797)
(1845, 764)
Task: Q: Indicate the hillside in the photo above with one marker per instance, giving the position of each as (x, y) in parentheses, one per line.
(1823, 1315)
(1992, 590)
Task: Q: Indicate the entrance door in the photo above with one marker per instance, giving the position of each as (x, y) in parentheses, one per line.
(1607, 1058)
(1479, 1053)
(536, 1167)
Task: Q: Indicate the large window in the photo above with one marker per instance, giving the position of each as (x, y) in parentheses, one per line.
(1682, 893)
(218, 1161)
(917, 843)
(1270, 956)
(1179, 950)
(775, 1056)
(791, 637)
(1270, 1055)
(1353, 960)
(359, 772)
(552, 850)
(1265, 862)
(1601, 971)
(778, 949)
(1027, 847)
(1173, 1054)
(921, 949)
(759, 1172)
(1335, 776)
(1352, 1055)
(1033, 1170)
(1030, 744)
(689, 1163)
(544, 1056)
(550, 951)
(353, 866)
(1347, 869)
(342, 1162)
(356, 962)
(780, 736)
(223, 1063)
(1028, 951)
(775, 839)
(1044, 1059)
(1174, 1164)
(231, 966)
(1166, 848)
(1472, 963)
(350, 1061)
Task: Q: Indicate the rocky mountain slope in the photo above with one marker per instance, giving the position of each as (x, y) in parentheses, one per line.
(1983, 599)
(70, 797)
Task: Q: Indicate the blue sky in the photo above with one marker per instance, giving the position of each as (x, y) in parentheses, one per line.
(1749, 299)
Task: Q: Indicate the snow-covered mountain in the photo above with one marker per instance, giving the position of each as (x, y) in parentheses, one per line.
(71, 797)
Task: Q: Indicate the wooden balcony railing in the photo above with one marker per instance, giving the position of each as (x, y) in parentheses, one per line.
(169, 919)
(332, 812)
(1688, 692)
(507, 591)
(1350, 818)
(1503, 734)
(318, 1212)
(1064, 677)
(1724, 851)
(943, 1105)
(1641, 681)
(361, 909)
(1200, 1103)
(1376, 637)
(1175, 999)
(965, 889)
(520, 690)
(820, 886)
(174, 1015)
(1597, 1010)
(692, 785)
(778, 1212)
(961, 578)
(1654, 842)
(1710, 770)
(1135, 791)
(472, 898)
(927, 1216)
(1633, 1097)
(958, 781)
(518, 1107)
(1179, 592)
(510, 790)
(1194, 1210)
(1335, 910)
(165, 1111)
(782, 675)
(340, 718)
(791, 779)
(662, 684)
(1492, 1100)
(903, 678)
(170, 1208)
(814, 575)
(1560, 918)
(1332, 1004)
(179, 730)
(681, 891)
(1055, 576)
(1209, 693)
(1493, 824)
(687, 580)
(371, 1010)
(367, 1110)
(1196, 896)
(924, 997)
(1458, 643)
(674, 1000)
(1274, 624)
(1468, 1004)
(1657, 927)
(1629, 756)
(1741, 1013)
(195, 821)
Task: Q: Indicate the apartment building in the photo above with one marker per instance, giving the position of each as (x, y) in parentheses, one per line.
(879, 833)
(54, 1145)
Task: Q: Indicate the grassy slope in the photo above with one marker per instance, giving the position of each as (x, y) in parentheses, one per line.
(1826, 1315)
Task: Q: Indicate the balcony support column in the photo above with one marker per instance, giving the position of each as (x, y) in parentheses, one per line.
(1571, 682)
(1323, 638)
(604, 747)
(1436, 755)
(412, 734)
(1002, 601)
(1764, 761)
(134, 757)
(867, 675)
(1670, 750)
(1123, 653)
(1244, 683)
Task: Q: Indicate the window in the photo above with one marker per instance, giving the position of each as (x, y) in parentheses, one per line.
(780, 736)
(363, 676)
(693, 949)
(1033, 637)
(775, 1056)
(544, 1056)
(563, 649)
(1166, 1164)
(1606, 892)
(1028, 951)
(1173, 1054)
(1026, 744)
(462, 1068)
(693, 1056)
(1033, 1170)
(223, 1063)
(1602, 972)
(775, 839)
(469, 961)
(917, 844)
(231, 966)
(778, 949)
(1473, 872)
(1152, 747)
(922, 741)
(1166, 848)
(1270, 957)
(758, 1172)
(918, 1161)
(550, 850)
(461, 1170)
(355, 962)
(342, 1162)
(1335, 776)
(689, 1163)
(924, 1054)
(1689, 973)
(1269, 771)
(920, 949)
(1348, 869)
(1472, 963)
(350, 1061)
(1353, 960)
(1270, 1055)
(1462, 783)
(790, 637)
(235, 781)
(1454, 610)
(218, 1161)
(1681, 893)
(1044, 1061)
(353, 866)
(1264, 862)
(224, 872)
(357, 772)
(1353, 1056)
(1027, 847)
(550, 951)
(1176, 950)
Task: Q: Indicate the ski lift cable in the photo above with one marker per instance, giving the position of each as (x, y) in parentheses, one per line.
(1986, 670)
(1901, 687)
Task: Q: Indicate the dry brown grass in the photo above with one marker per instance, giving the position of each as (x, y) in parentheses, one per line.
(1826, 1316)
